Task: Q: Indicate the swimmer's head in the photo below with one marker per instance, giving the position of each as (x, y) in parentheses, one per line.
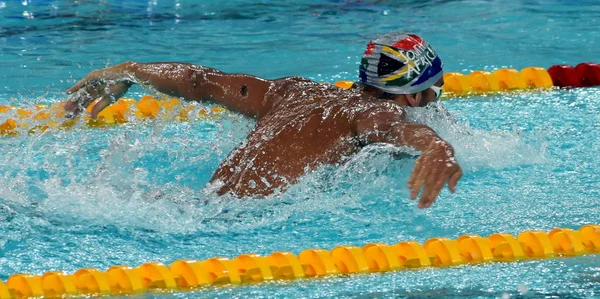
(400, 63)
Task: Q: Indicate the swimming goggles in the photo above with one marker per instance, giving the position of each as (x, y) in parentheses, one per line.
(438, 92)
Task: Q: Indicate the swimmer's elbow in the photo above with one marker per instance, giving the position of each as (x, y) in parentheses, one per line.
(193, 83)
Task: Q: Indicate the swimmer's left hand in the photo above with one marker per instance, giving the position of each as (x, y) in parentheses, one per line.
(113, 74)
(106, 85)
(106, 94)
(436, 166)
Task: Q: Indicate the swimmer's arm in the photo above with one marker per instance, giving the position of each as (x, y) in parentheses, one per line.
(436, 165)
(240, 93)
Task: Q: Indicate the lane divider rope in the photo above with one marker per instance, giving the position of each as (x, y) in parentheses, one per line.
(184, 275)
(15, 120)
(506, 79)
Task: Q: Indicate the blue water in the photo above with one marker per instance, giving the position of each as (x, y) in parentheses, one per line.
(135, 193)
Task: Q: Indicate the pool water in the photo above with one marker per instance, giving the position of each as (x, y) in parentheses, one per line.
(135, 193)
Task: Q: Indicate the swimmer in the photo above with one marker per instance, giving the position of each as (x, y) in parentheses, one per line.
(302, 124)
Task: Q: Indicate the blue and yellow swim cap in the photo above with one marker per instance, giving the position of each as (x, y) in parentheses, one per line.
(400, 63)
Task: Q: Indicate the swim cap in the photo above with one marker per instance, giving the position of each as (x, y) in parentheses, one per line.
(400, 63)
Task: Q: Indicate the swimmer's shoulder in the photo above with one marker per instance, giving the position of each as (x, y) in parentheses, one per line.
(283, 86)
(296, 83)
(300, 90)
(292, 81)
(374, 108)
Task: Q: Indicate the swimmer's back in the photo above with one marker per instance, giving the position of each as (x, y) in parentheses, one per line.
(310, 124)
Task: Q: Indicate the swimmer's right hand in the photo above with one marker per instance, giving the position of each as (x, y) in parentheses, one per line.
(105, 85)
(433, 169)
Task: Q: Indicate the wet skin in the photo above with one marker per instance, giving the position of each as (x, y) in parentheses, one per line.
(301, 124)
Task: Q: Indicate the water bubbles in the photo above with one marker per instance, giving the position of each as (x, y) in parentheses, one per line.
(474, 148)
(523, 289)
(28, 15)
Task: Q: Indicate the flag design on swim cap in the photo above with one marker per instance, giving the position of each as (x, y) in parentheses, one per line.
(400, 63)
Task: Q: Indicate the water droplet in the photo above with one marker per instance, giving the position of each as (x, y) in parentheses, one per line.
(418, 228)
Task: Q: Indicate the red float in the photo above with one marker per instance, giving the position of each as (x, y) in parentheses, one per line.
(589, 73)
(564, 76)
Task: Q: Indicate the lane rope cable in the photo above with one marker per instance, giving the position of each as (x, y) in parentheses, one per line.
(184, 275)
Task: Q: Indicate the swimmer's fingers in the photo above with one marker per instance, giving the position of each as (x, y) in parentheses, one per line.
(109, 95)
(91, 79)
(86, 96)
(415, 172)
(450, 173)
(430, 190)
(110, 75)
(71, 108)
(100, 105)
(434, 168)
(82, 99)
(425, 168)
(454, 180)
(435, 184)
(418, 177)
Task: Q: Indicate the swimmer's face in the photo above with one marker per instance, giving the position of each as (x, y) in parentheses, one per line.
(422, 98)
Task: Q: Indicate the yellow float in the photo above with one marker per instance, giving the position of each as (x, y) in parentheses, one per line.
(252, 268)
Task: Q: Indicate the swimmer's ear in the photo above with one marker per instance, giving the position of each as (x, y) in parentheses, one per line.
(413, 99)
